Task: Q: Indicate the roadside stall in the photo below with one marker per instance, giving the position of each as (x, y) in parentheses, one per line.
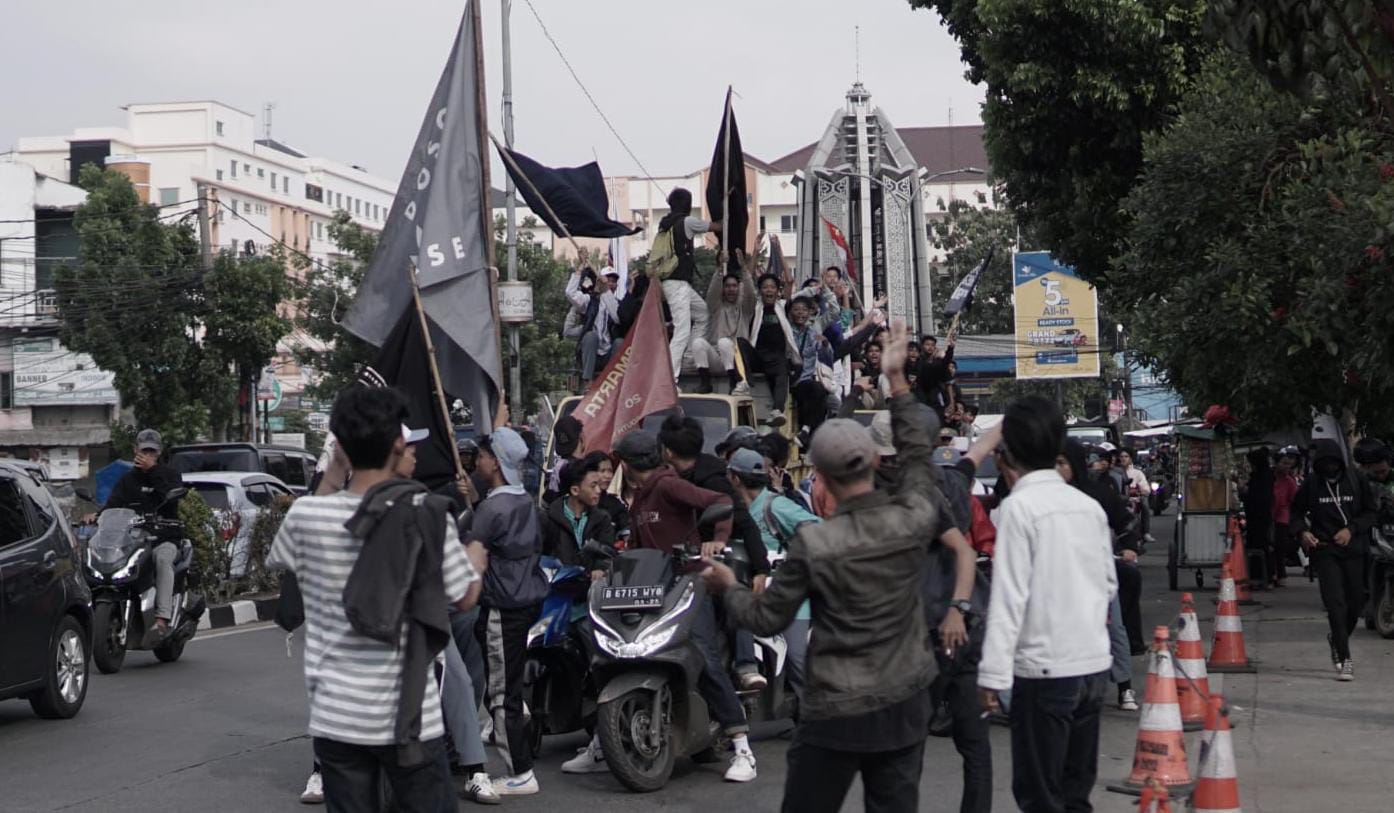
(1205, 463)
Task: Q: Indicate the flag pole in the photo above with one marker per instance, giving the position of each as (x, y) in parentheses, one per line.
(435, 370)
(486, 210)
(508, 159)
(726, 185)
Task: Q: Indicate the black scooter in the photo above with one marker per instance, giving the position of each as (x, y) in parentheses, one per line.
(1379, 609)
(121, 572)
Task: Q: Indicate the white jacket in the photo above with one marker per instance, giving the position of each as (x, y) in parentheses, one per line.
(1053, 579)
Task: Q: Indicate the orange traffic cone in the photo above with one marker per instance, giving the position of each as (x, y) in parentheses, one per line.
(1227, 651)
(1239, 564)
(1161, 751)
(1218, 788)
(1192, 681)
(1154, 792)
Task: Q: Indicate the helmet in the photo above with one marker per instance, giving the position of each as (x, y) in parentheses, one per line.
(1290, 451)
(1371, 450)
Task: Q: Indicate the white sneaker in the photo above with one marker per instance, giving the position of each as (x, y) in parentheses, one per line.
(589, 759)
(314, 790)
(1347, 671)
(776, 419)
(752, 681)
(521, 785)
(480, 790)
(742, 767)
(1127, 701)
(741, 388)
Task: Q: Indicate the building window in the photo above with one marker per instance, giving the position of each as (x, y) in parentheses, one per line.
(261, 172)
(246, 169)
(169, 196)
(246, 207)
(285, 184)
(220, 174)
(7, 390)
(762, 222)
(234, 169)
(273, 181)
(218, 127)
(357, 208)
(338, 200)
(313, 192)
(788, 223)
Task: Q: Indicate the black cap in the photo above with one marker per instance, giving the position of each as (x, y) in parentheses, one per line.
(639, 450)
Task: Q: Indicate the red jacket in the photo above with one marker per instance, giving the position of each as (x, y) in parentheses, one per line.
(666, 508)
(1284, 491)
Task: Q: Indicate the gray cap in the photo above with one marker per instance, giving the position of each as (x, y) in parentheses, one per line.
(739, 437)
(640, 450)
(748, 462)
(881, 434)
(947, 456)
(148, 440)
(509, 448)
(842, 447)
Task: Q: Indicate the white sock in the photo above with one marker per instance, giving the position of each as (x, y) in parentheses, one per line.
(740, 744)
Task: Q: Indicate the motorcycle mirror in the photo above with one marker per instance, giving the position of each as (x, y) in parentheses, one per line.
(716, 513)
(597, 549)
(176, 494)
(85, 494)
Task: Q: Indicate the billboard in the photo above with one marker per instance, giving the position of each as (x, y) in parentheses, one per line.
(1057, 319)
(48, 374)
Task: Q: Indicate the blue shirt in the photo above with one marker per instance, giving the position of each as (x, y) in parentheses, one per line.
(578, 525)
(788, 515)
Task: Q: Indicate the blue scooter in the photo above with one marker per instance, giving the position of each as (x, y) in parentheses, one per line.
(557, 686)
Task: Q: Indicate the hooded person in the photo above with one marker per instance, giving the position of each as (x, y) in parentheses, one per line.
(1258, 509)
(1334, 511)
(688, 309)
(566, 440)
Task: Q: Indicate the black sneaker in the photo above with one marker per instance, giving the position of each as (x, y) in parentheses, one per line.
(802, 439)
(1335, 659)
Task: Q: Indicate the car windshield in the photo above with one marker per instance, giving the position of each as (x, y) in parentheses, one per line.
(1087, 434)
(112, 526)
(231, 459)
(714, 416)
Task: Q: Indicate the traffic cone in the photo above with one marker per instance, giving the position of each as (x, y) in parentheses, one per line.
(1154, 792)
(1218, 788)
(1192, 682)
(1161, 750)
(1239, 564)
(1227, 651)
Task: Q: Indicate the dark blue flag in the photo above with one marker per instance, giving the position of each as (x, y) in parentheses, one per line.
(576, 195)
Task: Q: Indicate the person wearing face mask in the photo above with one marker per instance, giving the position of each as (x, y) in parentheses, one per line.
(1334, 511)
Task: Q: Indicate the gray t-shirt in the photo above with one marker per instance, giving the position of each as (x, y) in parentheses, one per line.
(507, 525)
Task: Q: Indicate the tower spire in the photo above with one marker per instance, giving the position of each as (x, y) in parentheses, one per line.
(857, 40)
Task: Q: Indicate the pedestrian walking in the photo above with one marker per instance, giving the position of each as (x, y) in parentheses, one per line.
(1047, 622)
(1285, 484)
(1334, 512)
(1257, 497)
(506, 525)
(371, 716)
(865, 706)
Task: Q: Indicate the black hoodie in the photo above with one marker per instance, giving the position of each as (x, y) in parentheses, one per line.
(709, 472)
(1325, 506)
(1120, 519)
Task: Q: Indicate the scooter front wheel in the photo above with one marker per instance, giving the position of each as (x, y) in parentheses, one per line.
(108, 640)
(638, 748)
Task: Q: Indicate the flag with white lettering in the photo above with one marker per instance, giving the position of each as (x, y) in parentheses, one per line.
(440, 225)
(635, 384)
(962, 299)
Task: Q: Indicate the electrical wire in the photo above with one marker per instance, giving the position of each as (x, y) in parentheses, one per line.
(129, 210)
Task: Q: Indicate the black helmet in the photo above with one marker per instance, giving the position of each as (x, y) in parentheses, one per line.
(1370, 450)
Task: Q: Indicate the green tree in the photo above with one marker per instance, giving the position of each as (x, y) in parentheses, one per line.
(1072, 88)
(965, 234)
(133, 303)
(1268, 288)
(243, 323)
(324, 294)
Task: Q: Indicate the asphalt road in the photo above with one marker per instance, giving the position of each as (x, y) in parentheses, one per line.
(223, 730)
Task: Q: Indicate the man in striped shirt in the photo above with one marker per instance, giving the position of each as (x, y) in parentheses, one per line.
(354, 681)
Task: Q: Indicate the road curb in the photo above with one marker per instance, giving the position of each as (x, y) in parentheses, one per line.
(237, 613)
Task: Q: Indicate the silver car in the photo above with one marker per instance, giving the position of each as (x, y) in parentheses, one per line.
(236, 498)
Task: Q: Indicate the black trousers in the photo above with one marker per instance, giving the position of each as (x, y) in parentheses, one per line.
(958, 687)
(773, 366)
(1341, 577)
(1130, 600)
(503, 635)
(818, 778)
(714, 683)
(1284, 548)
(353, 776)
(811, 401)
(1055, 742)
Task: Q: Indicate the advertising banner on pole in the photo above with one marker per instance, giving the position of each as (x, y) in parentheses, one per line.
(1057, 319)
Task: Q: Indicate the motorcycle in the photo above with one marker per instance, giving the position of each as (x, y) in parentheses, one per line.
(557, 685)
(121, 572)
(1379, 610)
(1162, 490)
(776, 701)
(647, 663)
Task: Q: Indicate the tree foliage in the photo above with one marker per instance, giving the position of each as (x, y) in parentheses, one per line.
(1072, 88)
(965, 234)
(324, 294)
(1257, 263)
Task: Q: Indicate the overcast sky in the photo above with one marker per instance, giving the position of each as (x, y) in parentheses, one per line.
(350, 78)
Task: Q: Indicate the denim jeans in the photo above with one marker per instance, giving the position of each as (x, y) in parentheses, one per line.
(1122, 669)
(353, 776)
(461, 709)
(1055, 742)
(462, 628)
(714, 683)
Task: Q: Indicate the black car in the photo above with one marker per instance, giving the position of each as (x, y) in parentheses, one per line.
(292, 466)
(45, 606)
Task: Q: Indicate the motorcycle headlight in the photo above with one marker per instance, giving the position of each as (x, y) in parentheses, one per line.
(1156, 486)
(132, 565)
(653, 637)
(538, 630)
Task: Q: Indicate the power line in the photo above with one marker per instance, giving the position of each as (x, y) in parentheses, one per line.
(73, 214)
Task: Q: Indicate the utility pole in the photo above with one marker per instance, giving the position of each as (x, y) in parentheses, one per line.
(515, 361)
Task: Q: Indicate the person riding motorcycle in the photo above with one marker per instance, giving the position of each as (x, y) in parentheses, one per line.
(143, 489)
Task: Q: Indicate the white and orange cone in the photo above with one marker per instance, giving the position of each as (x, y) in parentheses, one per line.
(1227, 652)
(1218, 788)
(1239, 564)
(1161, 750)
(1192, 682)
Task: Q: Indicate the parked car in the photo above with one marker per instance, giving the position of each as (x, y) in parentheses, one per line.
(293, 467)
(236, 498)
(45, 606)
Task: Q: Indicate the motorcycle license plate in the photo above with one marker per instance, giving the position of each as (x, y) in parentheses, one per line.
(648, 597)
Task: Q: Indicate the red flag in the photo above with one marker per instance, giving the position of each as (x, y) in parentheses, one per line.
(636, 383)
(840, 240)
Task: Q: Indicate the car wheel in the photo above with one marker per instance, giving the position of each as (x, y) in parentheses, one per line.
(65, 684)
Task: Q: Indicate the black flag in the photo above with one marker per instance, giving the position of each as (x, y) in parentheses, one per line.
(404, 364)
(576, 195)
(962, 298)
(728, 166)
(441, 225)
